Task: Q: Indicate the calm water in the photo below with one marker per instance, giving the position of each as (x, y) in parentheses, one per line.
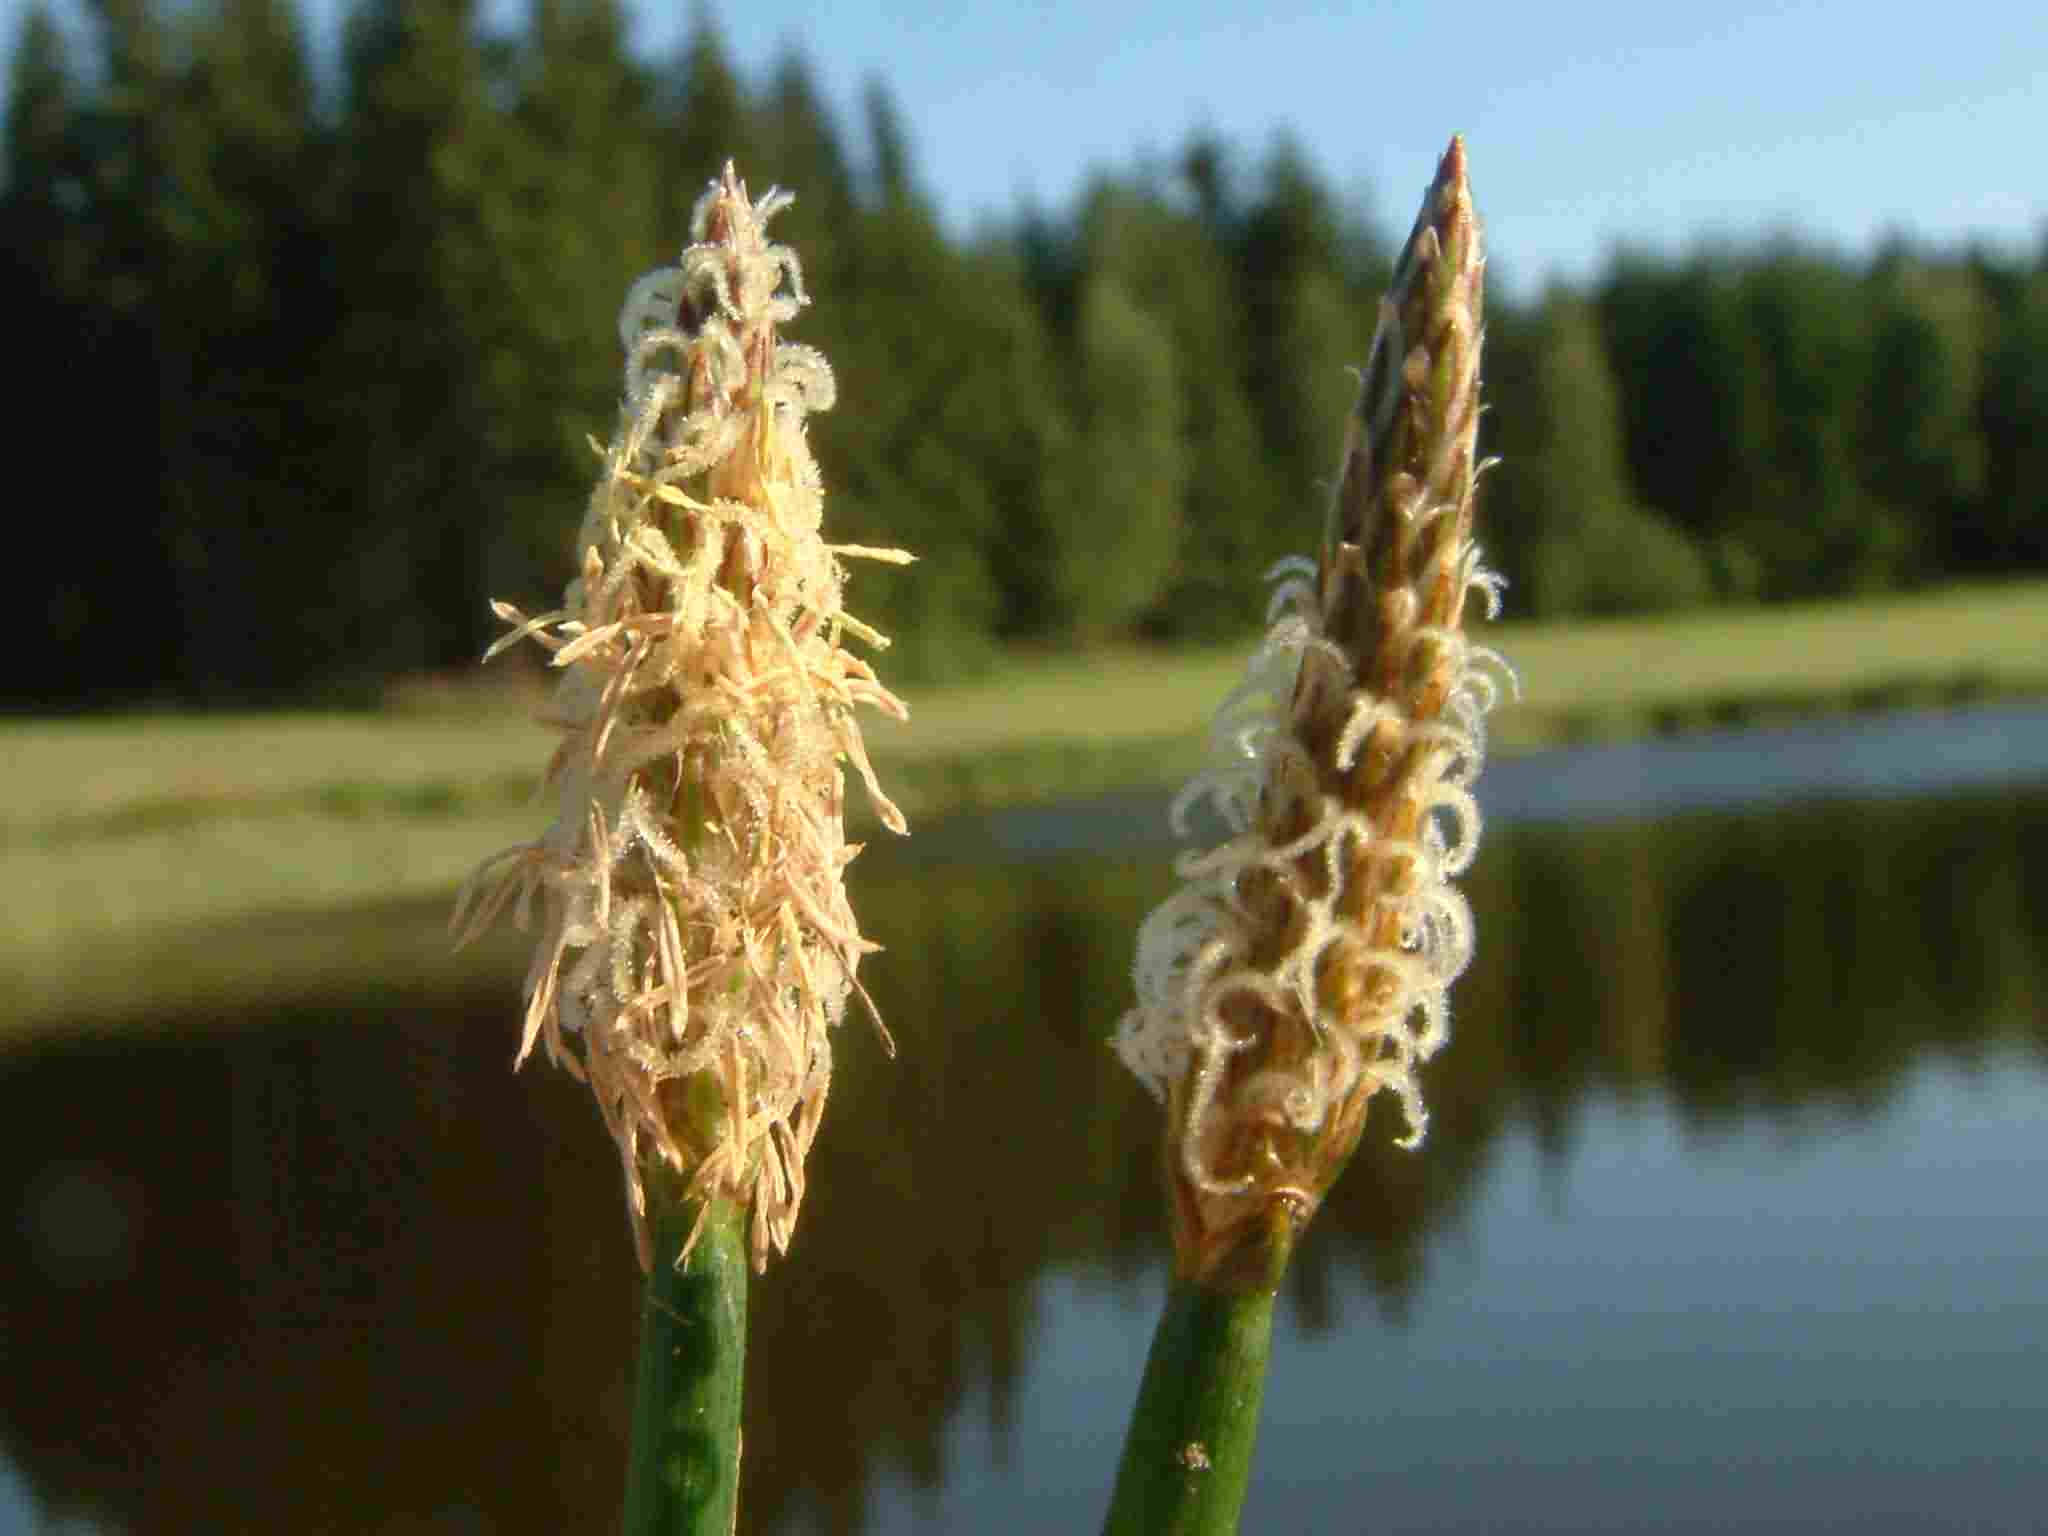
(1731, 1215)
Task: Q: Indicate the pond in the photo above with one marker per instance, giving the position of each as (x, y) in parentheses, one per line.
(1730, 1212)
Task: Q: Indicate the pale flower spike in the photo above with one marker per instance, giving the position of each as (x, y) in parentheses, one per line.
(696, 943)
(1305, 963)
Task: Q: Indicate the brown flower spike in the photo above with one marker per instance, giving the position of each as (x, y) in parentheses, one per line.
(1306, 962)
(696, 944)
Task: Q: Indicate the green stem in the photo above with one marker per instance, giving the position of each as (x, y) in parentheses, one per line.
(1188, 1454)
(683, 1476)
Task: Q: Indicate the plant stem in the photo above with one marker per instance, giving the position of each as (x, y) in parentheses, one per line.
(1188, 1454)
(683, 1475)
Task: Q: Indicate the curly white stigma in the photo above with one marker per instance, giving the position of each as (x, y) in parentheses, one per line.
(1196, 949)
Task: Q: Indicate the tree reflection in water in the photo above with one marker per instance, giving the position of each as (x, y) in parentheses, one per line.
(241, 1291)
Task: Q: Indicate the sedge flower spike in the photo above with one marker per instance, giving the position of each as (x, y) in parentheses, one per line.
(1305, 963)
(696, 945)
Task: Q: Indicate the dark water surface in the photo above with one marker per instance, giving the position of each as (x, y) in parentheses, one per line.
(1734, 1213)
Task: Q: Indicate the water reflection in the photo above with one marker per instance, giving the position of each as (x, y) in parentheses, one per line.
(337, 1270)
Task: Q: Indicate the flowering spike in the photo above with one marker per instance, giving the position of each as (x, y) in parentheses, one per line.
(697, 943)
(1305, 963)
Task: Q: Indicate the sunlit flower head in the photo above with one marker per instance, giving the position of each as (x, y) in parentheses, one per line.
(1305, 963)
(696, 945)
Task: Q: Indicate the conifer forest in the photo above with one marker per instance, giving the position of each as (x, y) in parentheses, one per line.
(316, 349)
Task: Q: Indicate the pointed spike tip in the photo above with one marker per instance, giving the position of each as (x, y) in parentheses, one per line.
(1450, 197)
(1451, 168)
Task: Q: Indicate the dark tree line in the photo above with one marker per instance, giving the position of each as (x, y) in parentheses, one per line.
(312, 370)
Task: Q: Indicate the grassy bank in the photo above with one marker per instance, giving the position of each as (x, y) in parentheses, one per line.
(1038, 720)
(119, 835)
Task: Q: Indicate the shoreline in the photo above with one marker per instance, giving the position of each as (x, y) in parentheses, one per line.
(166, 947)
(143, 852)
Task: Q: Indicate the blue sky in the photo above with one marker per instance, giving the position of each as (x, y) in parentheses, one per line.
(1588, 125)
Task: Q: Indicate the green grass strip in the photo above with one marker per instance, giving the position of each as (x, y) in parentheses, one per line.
(683, 1475)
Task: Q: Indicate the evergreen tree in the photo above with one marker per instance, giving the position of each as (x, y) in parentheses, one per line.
(1171, 267)
(703, 120)
(1586, 545)
(1694, 411)
(1205, 168)
(42, 191)
(416, 256)
(798, 140)
(577, 206)
(244, 253)
(48, 257)
(797, 146)
(1306, 330)
(125, 207)
(1510, 439)
(943, 439)
(2010, 529)
(1919, 444)
(1811, 528)
(1119, 509)
(888, 145)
